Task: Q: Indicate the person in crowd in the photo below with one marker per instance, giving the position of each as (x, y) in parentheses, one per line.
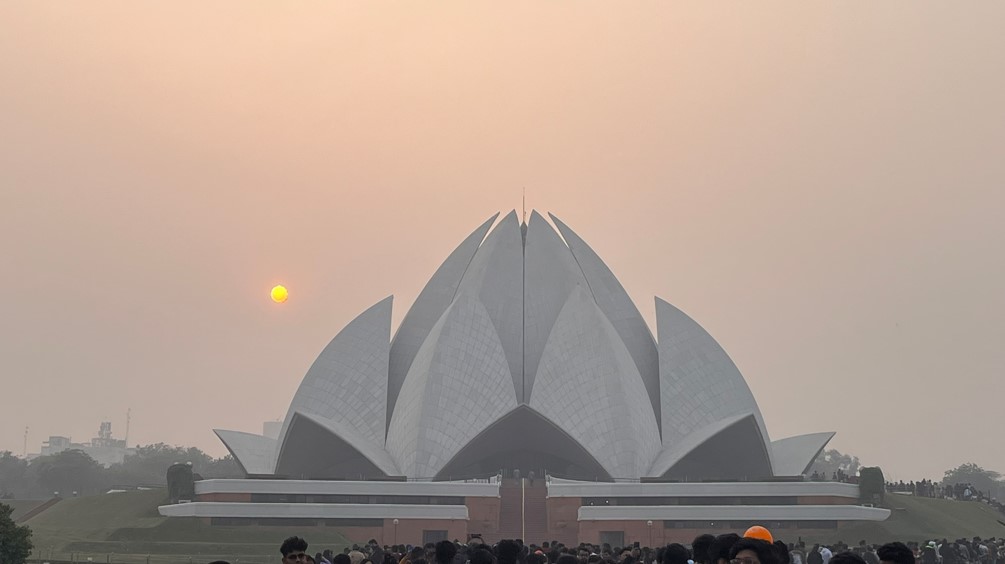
(869, 553)
(753, 551)
(444, 552)
(481, 555)
(826, 554)
(719, 550)
(567, 559)
(814, 556)
(699, 548)
(797, 554)
(783, 552)
(948, 552)
(414, 554)
(847, 558)
(895, 553)
(508, 552)
(294, 550)
(930, 553)
(675, 554)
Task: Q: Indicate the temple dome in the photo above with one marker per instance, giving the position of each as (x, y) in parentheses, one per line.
(523, 350)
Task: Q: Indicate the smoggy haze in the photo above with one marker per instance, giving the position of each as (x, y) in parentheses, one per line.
(820, 185)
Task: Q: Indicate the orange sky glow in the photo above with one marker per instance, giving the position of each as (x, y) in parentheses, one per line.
(819, 185)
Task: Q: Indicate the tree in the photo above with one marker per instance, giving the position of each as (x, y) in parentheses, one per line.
(150, 463)
(12, 475)
(15, 541)
(225, 467)
(987, 481)
(871, 485)
(832, 460)
(67, 472)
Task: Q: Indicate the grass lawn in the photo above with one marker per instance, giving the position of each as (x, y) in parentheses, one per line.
(22, 506)
(125, 527)
(919, 518)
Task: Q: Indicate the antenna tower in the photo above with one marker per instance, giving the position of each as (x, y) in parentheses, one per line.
(525, 204)
(129, 417)
(25, 454)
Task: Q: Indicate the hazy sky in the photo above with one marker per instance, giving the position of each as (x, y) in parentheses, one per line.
(819, 184)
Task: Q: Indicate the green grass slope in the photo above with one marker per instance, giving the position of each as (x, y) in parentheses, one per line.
(22, 506)
(128, 526)
(918, 519)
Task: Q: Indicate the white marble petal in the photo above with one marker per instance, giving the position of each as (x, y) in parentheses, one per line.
(434, 299)
(349, 439)
(550, 275)
(458, 385)
(699, 384)
(255, 454)
(674, 451)
(793, 456)
(619, 308)
(495, 278)
(348, 381)
(588, 384)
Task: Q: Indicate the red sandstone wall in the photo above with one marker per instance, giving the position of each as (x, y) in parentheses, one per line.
(483, 515)
(232, 497)
(409, 531)
(563, 519)
(635, 531)
(825, 500)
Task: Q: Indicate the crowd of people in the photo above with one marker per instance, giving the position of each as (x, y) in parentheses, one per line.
(958, 491)
(921, 488)
(756, 546)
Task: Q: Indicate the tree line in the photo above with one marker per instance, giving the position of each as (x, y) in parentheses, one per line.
(73, 472)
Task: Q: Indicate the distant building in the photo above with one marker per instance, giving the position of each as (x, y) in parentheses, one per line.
(104, 449)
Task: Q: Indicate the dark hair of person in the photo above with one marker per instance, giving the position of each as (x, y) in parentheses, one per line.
(675, 554)
(567, 559)
(481, 555)
(782, 550)
(764, 550)
(219, 562)
(699, 546)
(847, 558)
(508, 551)
(895, 552)
(419, 561)
(341, 558)
(292, 544)
(720, 547)
(445, 552)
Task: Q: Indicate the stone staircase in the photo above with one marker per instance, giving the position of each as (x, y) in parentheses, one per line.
(38, 509)
(523, 512)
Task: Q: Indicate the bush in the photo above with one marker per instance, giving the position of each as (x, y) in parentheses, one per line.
(871, 485)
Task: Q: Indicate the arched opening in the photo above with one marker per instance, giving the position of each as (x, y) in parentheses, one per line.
(526, 440)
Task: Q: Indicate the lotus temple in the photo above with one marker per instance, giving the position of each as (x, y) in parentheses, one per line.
(524, 356)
